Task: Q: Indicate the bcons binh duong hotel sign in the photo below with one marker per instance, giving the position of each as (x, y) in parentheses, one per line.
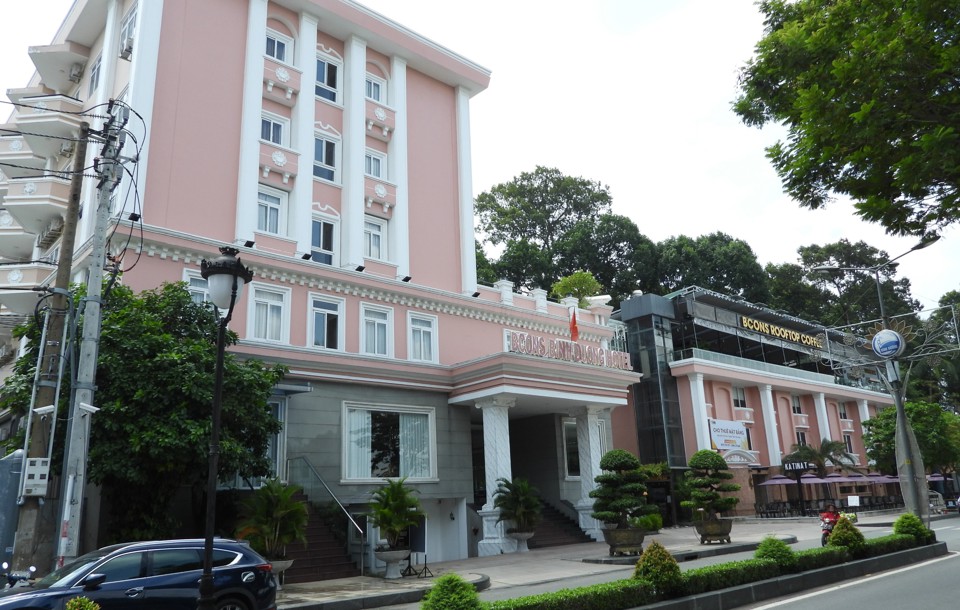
(780, 332)
(561, 349)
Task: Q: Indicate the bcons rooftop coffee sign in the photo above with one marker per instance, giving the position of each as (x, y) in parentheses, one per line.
(561, 349)
(780, 332)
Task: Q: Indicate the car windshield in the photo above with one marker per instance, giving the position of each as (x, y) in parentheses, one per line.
(66, 575)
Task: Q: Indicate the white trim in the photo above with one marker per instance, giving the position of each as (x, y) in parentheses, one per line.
(398, 169)
(191, 274)
(302, 141)
(285, 293)
(283, 206)
(430, 412)
(382, 158)
(289, 52)
(337, 156)
(338, 91)
(335, 252)
(251, 108)
(434, 336)
(522, 391)
(384, 246)
(382, 100)
(280, 120)
(341, 321)
(468, 253)
(364, 308)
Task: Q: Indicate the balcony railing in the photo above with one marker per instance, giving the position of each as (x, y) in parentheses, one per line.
(801, 420)
(846, 425)
(281, 83)
(744, 414)
(37, 202)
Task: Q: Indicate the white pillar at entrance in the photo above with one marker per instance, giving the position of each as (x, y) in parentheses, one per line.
(864, 413)
(588, 446)
(820, 403)
(496, 457)
(770, 424)
(699, 406)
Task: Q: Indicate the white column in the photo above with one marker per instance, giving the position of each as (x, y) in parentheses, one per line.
(770, 424)
(399, 239)
(354, 148)
(468, 253)
(496, 457)
(588, 446)
(699, 407)
(252, 101)
(301, 199)
(864, 413)
(820, 403)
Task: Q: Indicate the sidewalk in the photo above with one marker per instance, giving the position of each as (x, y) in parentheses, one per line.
(545, 565)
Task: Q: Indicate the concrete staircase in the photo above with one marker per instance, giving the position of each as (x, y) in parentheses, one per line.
(556, 529)
(323, 557)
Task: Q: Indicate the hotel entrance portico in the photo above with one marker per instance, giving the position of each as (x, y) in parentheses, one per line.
(543, 420)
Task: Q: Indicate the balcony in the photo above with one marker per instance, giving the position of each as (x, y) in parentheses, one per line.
(277, 165)
(15, 243)
(801, 420)
(16, 156)
(846, 425)
(17, 283)
(37, 202)
(376, 191)
(60, 65)
(744, 414)
(381, 122)
(281, 83)
(49, 123)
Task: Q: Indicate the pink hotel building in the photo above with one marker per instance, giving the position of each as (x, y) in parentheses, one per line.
(331, 145)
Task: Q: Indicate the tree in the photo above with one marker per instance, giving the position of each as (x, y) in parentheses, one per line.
(829, 452)
(580, 284)
(867, 91)
(792, 292)
(155, 374)
(716, 261)
(937, 379)
(486, 273)
(937, 432)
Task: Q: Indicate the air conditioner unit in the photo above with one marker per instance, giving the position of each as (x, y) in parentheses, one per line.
(126, 49)
(66, 149)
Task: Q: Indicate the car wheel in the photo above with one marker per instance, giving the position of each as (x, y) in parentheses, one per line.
(231, 603)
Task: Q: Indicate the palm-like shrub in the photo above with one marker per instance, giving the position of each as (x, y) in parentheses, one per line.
(394, 509)
(620, 491)
(518, 502)
(272, 518)
(706, 480)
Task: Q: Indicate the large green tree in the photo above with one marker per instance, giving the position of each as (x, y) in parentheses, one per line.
(155, 374)
(791, 291)
(937, 432)
(937, 378)
(868, 92)
(716, 261)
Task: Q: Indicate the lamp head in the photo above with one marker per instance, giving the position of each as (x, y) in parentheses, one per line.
(221, 273)
(928, 240)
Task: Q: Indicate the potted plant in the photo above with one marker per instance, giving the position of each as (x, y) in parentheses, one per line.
(620, 495)
(394, 509)
(706, 480)
(271, 518)
(519, 503)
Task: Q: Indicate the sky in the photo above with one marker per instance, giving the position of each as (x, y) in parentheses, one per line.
(633, 94)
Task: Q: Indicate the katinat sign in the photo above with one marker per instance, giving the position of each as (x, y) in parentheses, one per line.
(569, 351)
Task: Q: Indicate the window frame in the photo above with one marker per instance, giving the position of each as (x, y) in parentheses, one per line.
(368, 86)
(318, 248)
(95, 67)
(276, 120)
(801, 438)
(341, 305)
(382, 224)
(281, 38)
(346, 435)
(252, 308)
(739, 397)
(566, 424)
(376, 158)
(334, 169)
(128, 27)
(434, 337)
(795, 404)
(281, 207)
(842, 410)
(324, 85)
(195, 290)
(366, 308)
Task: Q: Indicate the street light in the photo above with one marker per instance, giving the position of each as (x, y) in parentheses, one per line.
(225, 280)
(909, 461)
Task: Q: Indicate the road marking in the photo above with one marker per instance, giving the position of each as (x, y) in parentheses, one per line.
(950, 555)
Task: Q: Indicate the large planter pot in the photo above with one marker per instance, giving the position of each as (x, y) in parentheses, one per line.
(278, 567)
(392, 559)
(624, 541)
(521, 538)
(714, 530)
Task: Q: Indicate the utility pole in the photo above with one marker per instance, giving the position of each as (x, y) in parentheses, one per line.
(81, 407)
(33, 544)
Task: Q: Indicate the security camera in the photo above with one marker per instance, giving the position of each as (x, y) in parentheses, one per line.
(44, 411)
(88, 408)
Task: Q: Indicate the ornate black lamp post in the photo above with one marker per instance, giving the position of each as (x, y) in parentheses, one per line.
(225, 279)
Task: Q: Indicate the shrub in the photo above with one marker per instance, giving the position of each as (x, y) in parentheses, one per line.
(658, 566)
(451, 593)
(648, 523)
(777, 550)
(708, 477)
(731, 574)
(847, 535)
(889, 544)
(628, 593)
(620, 492)
(81, 603)
(910, 524)
(823, 557)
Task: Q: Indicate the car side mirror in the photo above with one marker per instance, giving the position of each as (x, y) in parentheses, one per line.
(93, 580)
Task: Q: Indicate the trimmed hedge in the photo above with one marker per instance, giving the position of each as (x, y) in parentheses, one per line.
(731, 574)
(615, 595)
(824, 557)
(777, 550)
(889, 544)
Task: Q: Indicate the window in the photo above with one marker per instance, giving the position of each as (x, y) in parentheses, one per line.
(268, 314)
(123, 567)
(274, 129)
(848, 443)
(173, 561)
(374, 165)
(276, 449)
(423, 338)
(801, 438)
(385, 442)
(374, 238)
(749, 438)
(324, 158)
(842, 409)
(739, 398)
(197, 287)
(571, 449)
(327, 79)
(376, 331)
(797, 408)
(322, 241)
(375, 88)
(270, 210)
(128, 29)
(279, 47)
(327, 315)
(94, 76)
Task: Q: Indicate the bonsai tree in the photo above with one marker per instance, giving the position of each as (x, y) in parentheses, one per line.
(394, 509)
(706, 481)
(519, 502)
(620, 493)
(273, 517)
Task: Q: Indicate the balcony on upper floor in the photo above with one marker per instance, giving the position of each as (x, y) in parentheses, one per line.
(50, 124)
(744, 414)
(381, 121)
(15, 243)
(17, 283)
(379, 192)
(846, 425)
(281, 83)
(277, 165)
(801, 420)
(16, 158)
(37, 202)
(60, 66)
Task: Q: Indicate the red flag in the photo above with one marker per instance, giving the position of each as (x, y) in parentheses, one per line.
(574, 331)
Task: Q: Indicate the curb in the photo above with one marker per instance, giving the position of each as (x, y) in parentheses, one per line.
(690, 554)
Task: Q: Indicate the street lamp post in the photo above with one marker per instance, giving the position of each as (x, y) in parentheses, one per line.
(909, 461)
(225, 277)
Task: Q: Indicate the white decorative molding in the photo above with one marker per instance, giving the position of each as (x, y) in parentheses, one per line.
(380, 190)
(16, 145)
(14, 276)
(6, 220)
(29, 188)
(269, 86)
(279, 159)
(380, 113)
(282, 75)
(39, 107)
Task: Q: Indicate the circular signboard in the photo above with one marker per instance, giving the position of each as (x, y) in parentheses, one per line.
(888, 343)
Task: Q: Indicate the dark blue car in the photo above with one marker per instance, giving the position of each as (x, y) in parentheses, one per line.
(158, 575)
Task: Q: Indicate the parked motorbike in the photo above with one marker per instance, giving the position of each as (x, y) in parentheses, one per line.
(16, 578)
